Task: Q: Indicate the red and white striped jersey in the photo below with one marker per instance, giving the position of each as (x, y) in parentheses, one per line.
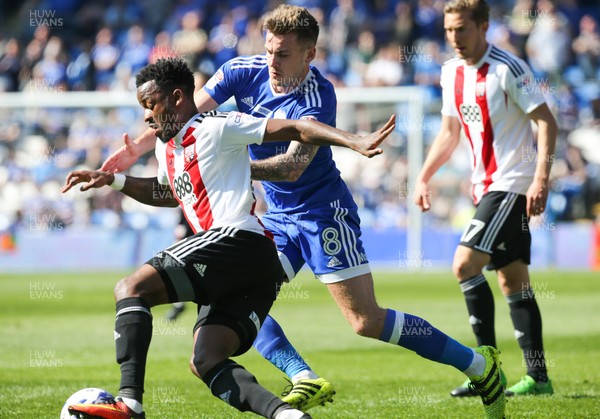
(492, 99)
(208, 168)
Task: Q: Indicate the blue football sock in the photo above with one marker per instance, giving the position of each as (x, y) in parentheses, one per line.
(274, 346)
(416, 334)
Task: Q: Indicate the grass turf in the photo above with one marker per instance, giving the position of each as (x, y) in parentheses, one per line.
(56, 337)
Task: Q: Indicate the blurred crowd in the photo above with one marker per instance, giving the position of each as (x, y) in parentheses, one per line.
(72, 45)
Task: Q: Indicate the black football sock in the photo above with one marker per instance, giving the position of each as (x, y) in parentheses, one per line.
(480, 305)
(133, 332)
(234, 385)
(527, 321)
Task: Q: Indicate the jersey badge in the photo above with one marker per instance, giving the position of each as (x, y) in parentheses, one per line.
(280, 114)
(190, 153)
(480, 89)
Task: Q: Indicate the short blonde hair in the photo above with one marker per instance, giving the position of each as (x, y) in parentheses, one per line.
(293, 19)
(480, 11)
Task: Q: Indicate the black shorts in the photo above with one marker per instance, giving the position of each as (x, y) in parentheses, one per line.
(500, 228)
(234, 274)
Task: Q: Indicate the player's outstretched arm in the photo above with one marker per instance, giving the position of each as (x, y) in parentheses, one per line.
(442, 148)
(145, 190)
(130, 152)
(287, 167)
(537, 194)
(317, 133)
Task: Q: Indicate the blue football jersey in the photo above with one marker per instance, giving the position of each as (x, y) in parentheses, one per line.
(247, 79)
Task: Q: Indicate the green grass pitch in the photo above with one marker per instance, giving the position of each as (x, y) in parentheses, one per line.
(56, 336)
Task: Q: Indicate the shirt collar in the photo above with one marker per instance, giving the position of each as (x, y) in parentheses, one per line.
(180, 136)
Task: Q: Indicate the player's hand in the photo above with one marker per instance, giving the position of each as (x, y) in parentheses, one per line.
(124, 157)
(367, 145)
(92, 179)
(537, 196)
(422, 196)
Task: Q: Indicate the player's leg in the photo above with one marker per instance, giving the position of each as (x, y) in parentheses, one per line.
(274, 346)
(510, 247)
(307, 388)
(357, 302)
(481, 240)
(356, 299)
(271, 342)
(527, 320)
(227, 328)
(134, 296)
(338, 259)
(468, 267)
(228, 380)
(235, 297)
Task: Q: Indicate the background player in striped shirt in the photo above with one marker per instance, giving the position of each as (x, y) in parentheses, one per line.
(310, 210)
(491, 95)
(230, 266)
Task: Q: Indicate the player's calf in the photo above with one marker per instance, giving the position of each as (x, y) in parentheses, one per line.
(237, 387)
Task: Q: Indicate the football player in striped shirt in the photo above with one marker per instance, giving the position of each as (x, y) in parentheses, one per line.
(230, 266)
(492, 96)
(296, 177)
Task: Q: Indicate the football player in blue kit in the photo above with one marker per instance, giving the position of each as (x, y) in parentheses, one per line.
(311, 212)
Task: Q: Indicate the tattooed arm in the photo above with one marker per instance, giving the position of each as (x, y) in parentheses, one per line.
(286, 167)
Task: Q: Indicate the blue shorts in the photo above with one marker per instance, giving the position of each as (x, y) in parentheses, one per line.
(327, 239)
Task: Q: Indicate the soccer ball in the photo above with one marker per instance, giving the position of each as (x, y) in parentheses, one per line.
(86, 395)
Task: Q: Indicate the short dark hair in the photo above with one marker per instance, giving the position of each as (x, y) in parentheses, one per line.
(293, 19)
(168, 74)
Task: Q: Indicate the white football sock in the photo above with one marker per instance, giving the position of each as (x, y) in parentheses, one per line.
(133, 404)
(477, 366)
(303, 375)
(290, 414)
